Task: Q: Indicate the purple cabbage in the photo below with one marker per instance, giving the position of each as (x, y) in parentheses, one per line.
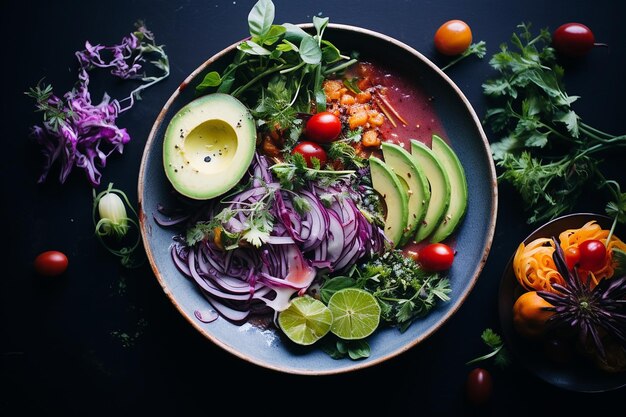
(77, 133)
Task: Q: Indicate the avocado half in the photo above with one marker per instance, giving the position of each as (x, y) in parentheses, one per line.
(208, 146)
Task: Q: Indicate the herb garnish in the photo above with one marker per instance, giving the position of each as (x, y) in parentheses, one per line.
(498, 351)
(545, 150)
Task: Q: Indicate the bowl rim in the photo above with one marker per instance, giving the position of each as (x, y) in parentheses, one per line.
(489, 233)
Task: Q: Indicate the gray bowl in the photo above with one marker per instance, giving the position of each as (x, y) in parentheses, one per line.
(266, 347)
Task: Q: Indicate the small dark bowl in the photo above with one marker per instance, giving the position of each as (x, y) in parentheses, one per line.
(580, 376)
(267, 347)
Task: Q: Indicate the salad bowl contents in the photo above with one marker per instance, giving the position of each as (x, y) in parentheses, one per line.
(562, 303)
(309, 184)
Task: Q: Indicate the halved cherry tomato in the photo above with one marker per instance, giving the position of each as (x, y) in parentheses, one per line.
(592, 254)
(323, 127)
(453, 37)
(51, 263)
(436, 257)
(573, 39)
(572, 257)
(310, 150)
(478, 386)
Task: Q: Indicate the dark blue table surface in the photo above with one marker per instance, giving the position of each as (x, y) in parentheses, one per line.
(59, 350)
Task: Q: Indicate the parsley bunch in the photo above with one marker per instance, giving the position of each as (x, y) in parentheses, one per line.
(545, 150)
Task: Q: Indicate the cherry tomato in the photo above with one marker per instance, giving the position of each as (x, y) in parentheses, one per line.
(592, 254)
(453, 37)
(323, 127)
(573, 39)
(51, 263)
(572, 257)
(436, 257)
(479, 386)
(310, 150)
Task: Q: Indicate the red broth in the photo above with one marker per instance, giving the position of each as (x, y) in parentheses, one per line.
(411, 102)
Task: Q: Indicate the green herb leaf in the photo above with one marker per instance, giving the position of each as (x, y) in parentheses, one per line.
(261, 17)
(310, 51)
(333, 285)
(498, 352)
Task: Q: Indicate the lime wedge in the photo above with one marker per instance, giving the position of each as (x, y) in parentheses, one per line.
(306, 320)
(356, 313)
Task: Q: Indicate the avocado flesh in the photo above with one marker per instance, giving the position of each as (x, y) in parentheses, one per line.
(458, 186)
(388, 185)
(439, 188)
(208, 146)
(415, 184)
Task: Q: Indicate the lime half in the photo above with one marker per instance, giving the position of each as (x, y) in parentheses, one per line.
(306, 320)
(356, 313)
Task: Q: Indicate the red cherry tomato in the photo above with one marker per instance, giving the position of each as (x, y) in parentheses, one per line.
(572, 257)
(51, 263)
(592, 254)
(310, 150)
(573, 39)
(323, 127)
(436, 257)
(453, 37)
(479, 386)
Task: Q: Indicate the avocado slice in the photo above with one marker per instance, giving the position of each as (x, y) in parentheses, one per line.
(414, 183)
(387, 184)
(208, 146)
(458, 186)
(439, 188)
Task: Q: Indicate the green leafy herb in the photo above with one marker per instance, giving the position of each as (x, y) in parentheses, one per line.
(479, 49)
(354, 349)
(294, 173)
(498, 352)
(258, 73)
(545, 151)
(346, 154)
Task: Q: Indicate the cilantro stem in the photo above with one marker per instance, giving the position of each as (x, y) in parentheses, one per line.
(487, 356)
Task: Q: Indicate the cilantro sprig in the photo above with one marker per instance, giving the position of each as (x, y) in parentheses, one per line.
(545, 150)
(498, 351)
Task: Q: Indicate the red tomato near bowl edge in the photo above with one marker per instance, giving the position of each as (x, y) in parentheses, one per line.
(310, 150)
(323, 127)
(51, 263)
(436, 257)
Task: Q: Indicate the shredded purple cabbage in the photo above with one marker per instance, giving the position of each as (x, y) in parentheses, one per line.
(77, 133)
